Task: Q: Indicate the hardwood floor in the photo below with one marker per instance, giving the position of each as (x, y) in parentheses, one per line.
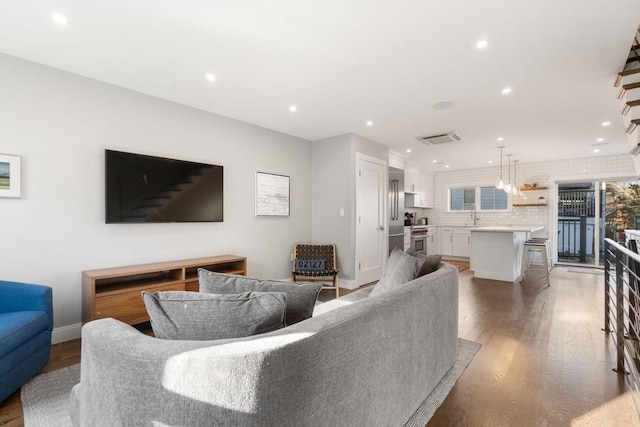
(544, 360)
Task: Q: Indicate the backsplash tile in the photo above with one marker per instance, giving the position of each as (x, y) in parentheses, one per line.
(538, 172)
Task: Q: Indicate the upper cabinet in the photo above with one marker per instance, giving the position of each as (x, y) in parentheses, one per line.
(411, 179)
(422, 196)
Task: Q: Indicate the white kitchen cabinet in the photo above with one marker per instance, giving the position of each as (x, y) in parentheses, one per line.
(461, 240)
(423, 198)
(411, 179)
(455, 241)
(407, 238)
(446, 240)
(426, 190)
(432, 242)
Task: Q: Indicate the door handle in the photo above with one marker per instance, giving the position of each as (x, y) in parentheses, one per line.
(380, 228)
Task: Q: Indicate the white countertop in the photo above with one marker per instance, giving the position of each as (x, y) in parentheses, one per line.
(508, 228)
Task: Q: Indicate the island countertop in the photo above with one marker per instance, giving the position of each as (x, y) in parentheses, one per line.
(496, 251)
(508, 228)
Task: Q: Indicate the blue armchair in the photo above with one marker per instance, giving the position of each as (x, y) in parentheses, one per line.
(26, 322)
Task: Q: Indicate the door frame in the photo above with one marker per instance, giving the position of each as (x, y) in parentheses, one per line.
(385, 220)
(553, 208)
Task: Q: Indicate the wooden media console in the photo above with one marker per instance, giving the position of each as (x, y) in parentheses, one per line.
(115, 292)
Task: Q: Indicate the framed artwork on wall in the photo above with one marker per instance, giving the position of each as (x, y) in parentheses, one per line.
(272, 194)
(9, 175)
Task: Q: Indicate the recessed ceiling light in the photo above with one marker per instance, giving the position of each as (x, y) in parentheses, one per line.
(606, 123)
(446, 166)
(481, 44)
(59, 19)
(369, 123)
(500, 138)
(444, 105)
(408, 150)
(435, 161)
(293, 108)
(600, 139)
(490, 161)
(597, 150)
(211, 77)
(506, 91)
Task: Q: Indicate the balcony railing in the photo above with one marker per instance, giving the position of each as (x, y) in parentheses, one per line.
(576, 237)
(622, 311)
(576, 203)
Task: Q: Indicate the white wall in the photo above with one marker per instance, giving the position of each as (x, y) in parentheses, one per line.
(334, 163)
(542, 173)
(61, 123)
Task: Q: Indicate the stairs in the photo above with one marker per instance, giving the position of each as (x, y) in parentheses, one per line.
(628, 82)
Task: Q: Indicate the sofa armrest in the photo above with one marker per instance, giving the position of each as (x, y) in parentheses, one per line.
(16, 296)
(129, 378)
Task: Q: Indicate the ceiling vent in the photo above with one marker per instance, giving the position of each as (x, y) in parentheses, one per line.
(439, 138)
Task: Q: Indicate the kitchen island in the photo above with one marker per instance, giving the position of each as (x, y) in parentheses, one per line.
(496, 251)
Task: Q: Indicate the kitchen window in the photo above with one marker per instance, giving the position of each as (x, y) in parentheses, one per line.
(492, 199)
(467, 198)
(462, 199)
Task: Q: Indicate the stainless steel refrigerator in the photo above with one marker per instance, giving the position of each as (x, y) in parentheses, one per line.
(396, 209)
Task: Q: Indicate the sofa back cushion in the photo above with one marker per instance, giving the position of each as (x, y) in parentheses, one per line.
(401, 268)
(178, 315)
(301, 296)
(431, 262)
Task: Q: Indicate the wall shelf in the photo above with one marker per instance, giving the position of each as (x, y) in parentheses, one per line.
(531, 197)
(532, 188)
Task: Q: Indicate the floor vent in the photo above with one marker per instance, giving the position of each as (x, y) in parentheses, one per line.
(439, 138)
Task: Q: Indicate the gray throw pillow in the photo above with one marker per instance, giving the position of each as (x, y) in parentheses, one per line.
(301, 296)
(431, 262)
(401, 268)
(179, 315)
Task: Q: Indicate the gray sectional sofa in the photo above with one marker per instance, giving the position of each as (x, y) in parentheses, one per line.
(359, 361)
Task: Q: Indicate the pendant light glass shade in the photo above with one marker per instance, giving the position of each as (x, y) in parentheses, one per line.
(500, 184)
(507, 187)
(515, 190)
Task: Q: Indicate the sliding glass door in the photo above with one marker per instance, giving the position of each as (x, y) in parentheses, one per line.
(589, 212)
(578, 217)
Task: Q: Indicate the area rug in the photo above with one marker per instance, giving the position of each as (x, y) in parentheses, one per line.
(462, 265)
(45, 399)
(466, 351)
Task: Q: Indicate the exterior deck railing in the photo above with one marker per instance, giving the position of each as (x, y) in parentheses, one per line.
(622, 311)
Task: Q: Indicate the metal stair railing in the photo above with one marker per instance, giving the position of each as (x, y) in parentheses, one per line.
(622, 312)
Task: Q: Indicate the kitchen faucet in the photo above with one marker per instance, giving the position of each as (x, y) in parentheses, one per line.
(474, 216)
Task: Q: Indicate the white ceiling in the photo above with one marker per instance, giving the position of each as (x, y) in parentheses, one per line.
(345, 62)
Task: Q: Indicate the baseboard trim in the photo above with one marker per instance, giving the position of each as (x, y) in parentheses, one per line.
(66, 333)
(348, 284)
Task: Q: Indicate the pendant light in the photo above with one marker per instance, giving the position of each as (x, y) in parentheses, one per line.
(515, 190)
(507, 187)
(500, 184)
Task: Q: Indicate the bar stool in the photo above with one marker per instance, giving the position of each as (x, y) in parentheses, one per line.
(540, 245)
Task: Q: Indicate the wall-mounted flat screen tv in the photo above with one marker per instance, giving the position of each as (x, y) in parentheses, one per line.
(143, 189)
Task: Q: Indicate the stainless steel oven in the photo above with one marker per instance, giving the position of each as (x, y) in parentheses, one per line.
(419, 238)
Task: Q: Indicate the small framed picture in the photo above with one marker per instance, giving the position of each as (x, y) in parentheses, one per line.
(9, 175)
(272, 194)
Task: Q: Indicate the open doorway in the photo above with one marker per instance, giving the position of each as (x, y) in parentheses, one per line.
(578, 217)
(589, 212)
